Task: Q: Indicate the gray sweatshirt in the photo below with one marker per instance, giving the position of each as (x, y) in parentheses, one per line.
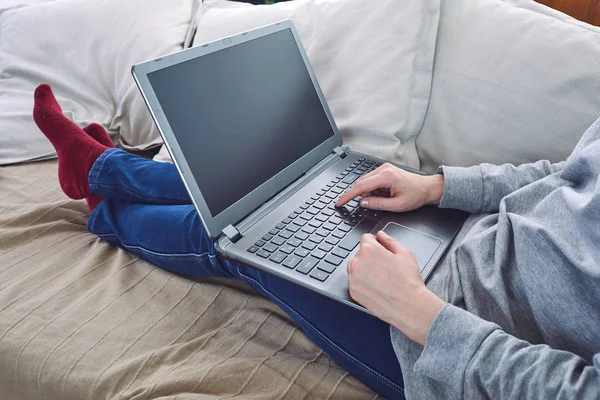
(523, 284)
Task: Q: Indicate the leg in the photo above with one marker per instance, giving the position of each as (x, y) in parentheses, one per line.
(117, 174)
(172, 237)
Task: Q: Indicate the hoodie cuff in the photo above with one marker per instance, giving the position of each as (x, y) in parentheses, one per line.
(452, 341)
(463, 188)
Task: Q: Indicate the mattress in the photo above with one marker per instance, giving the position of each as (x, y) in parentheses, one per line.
(80, 319)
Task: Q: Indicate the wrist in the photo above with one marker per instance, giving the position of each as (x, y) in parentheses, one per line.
(434, 187)
(416, 323)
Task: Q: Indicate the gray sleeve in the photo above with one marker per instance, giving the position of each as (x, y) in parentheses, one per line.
(480, 188)
(476, 359)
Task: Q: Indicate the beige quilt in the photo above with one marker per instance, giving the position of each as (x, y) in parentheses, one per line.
(80, 319)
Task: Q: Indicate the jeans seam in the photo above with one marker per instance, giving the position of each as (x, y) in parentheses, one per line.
(332, 345)
(106, 154)
(177, 257)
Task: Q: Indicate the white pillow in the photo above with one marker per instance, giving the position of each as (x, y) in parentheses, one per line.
(84, 50)
(509, 85)
(373, 61)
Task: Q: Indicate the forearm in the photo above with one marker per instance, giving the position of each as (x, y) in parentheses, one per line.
(479, 189)
(477, 359)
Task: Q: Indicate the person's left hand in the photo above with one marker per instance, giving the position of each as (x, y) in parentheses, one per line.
(384, 278)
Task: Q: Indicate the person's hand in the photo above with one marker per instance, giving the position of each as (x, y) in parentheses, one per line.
(384, 278)
(390, 188)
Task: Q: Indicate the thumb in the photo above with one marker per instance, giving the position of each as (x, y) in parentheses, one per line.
(377, 203)
(389, 242)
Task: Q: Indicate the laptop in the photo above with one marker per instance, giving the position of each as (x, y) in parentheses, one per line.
(254, 141)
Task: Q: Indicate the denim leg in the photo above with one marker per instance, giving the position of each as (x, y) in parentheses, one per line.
(117, 174)
(169, 236)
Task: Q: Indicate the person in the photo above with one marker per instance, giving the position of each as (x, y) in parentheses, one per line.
(511, 311)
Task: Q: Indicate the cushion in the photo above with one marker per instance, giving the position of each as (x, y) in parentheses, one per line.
(90, 75)
(509, 85)
(372, 59)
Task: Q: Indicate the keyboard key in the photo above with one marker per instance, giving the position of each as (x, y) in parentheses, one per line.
(300, 222)
(293, 228)
(309, 245)
(323, 232)
(350, 178)
(329, 226)
(336, 190)
(292, 216)
(313, 210)
(319, 275)
(309, 229)
(287, 249)
(285, 234)
(338, 252)
(306, 216)
(314, 197)
(307, 265)
(375, 214)
(319, 254)
(252, 249)
(294, 242)
(320, 193)
(315, 223)
(267, 237)
(292, 261)
(278, 240)
(349, 169)
(325, 266)
(342, 185)
(345, 228)
(315, 238)
(260, 243)
(330, 195)
(286, 221)
(332, 240)
(335, 220)
(342, 212)
(335, 260)
(344, 173)
(320, 205)
(353, 203)
(325, 247)
(301, 235)
(338, 233)
(299, 210)
(304, 206)
(309, 202)
(328, 212)
(270, 247)
(278, 257)
(365, 226)
(280, 226)
(351, 221)
(302, 252)
(263, 254)
(322, 217)
(273, 231)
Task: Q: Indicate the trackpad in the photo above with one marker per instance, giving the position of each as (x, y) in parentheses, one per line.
(422, 245)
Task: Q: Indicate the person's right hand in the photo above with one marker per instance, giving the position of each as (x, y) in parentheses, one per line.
(390, 188)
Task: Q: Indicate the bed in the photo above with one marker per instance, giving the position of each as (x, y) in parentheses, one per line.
(80, 319)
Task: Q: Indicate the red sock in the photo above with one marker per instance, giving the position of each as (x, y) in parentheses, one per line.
(75, 149)
(98, 133)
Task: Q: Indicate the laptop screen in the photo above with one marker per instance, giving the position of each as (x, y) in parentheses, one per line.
(242, 114)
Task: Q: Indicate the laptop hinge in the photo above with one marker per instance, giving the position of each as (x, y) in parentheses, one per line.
(232, 233)
(340, 151)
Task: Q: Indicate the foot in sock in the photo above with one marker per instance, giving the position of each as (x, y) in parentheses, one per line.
(99, 134)
(76, 151)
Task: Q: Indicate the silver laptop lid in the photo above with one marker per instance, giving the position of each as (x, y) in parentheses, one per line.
(242, 118)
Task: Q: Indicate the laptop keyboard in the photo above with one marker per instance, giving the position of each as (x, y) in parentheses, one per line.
(317, 237)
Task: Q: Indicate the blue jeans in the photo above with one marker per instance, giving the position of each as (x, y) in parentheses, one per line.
(146, 210)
